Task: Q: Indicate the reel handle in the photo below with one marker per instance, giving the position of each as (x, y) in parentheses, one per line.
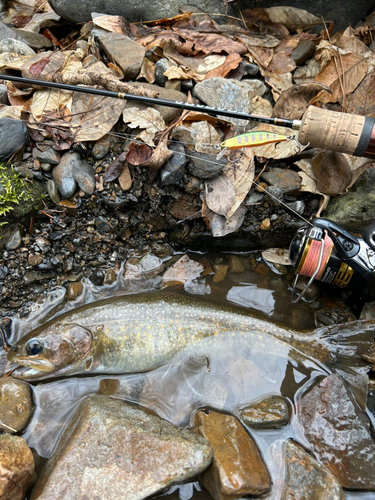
(346, 244)
(342, 132)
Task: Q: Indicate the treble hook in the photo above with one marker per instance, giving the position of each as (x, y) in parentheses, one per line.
(223, 151)
(299, 145)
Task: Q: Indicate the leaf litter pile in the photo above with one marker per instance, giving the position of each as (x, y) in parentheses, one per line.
(297, 57)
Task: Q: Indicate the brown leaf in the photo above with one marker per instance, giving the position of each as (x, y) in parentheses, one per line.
(159, 156)
(278, 83)
(115, 169)
(36, 68)
(125, 179)
(220, 194)
(147, 71)
(259, 18)
(277, 256)
(332, 172)
(219, 225)
(185, 208)
(293, 102)
(281, 62)
(241, 173)
(362, 100)
(138, 154)
(231, 62)
(182, 271)
(308, 184)
(293, 18)
(350, 68)
(114, 24)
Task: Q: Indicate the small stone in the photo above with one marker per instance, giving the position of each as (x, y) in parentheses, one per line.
(34, 40)
(71, 208)
(53, 192)
(4, 95)
(15, 404)
(15, 239)
(205, 166)
(110, 277)
(63, 174)
(262, 270)
(368, 311)
(101, 147)
(34, 259)
(186, 134)
(187, 85)
(43, 244)
(254, 198)
(97, 277)
(193, 186)
(84, 175)
(57, 260)
(49, 156)
(269, 413)
(13, 137)
(95, 454)
(74, 277)
(220, 271)
(151, 266)
(15, 47)
(274, 195)
(237, 467)
(297, 206)
(46, 167)
(265, 225)
(304, 50)
(261, 187)
(102, 225)
(16, 467)
(287, 180)
(74, 290)
(124, 52)
(251, 69)
(235, 264)
(298, 476)
(173, 170)
(125, 179)
(109, 386)
(161, 67)
(173, 85)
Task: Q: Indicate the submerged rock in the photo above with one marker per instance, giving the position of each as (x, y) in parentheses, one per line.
(298, 476)
(237, 467)
(269, 413)
(15, 404)
(16, 467)
(114, 450)
(339, 433)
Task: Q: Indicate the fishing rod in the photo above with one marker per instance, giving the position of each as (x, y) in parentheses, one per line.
(320, 128)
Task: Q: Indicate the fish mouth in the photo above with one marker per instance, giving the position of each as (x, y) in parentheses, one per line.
(41, 365)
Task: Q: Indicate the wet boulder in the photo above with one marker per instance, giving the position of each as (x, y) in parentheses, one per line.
(269, 413)
(115, 450)
(16, 467)
(15, 404)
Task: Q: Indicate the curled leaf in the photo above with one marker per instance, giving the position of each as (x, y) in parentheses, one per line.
(219, 225)
(148, 119)
(138, 154)
(114, 170)
(332, 172)
(159, 156)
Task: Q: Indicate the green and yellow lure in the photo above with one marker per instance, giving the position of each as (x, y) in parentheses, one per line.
(253, 139)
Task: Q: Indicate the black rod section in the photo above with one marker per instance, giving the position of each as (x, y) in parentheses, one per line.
(283, 122)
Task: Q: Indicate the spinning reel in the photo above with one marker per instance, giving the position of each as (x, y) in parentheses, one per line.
(327, 252)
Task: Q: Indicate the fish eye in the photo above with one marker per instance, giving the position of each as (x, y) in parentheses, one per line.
(34, 347)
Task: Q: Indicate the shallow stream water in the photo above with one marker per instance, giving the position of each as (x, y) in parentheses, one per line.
(234, 374)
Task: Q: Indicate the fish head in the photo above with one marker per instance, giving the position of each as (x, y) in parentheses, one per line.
(55, 347)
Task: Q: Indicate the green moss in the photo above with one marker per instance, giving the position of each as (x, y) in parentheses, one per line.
(13, 189)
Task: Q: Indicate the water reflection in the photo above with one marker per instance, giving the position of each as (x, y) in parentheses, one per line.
(254, 297)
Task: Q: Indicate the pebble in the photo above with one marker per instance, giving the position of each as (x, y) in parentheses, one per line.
(53, 192)
(193, 186)
(287, 180)
(110, 277)
(15, 404)
(269, 413)
(125, 179)
(101, 147)
(15, 47)
(13, 136)
(94, 453)
(274, 195)
(84, 175)
(43, 244)
(265, 225)
(97, 277)
(173, 85)
(16, 467)
(235, 264)
(298, 476)
(205, 166)
(36, 41)
(220, 271)
(49, 156)
(254, 198)
(304, 50)
(161, 67)
(74, 290)
(262, 269)
(237, 467)
(125, 52)
(46, 167)
(174, 169)
(251, 69)
(34, 259)
(15, 239)
(4, 95)
(261, 187)
(329, 410)
(63, 174)
(224, 94)
(368, 311)
(102, 225)
(297, 206)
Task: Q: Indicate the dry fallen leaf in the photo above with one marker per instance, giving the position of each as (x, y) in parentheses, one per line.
(219, 225)
(293, 18)
(332, 172)
(138, 154)
(346, 73)
(148, 119)
(306, 73)
(114, 24)
(182, 271)
(13, 112)
(147, 71)
(50, 100)
(220, 194)
(308, 184)
(362, 100)
(115, 168)
(207, 138)
(277, 256)
(278, 83)
(293, 102)
(231, 62)
(159, 156)
(241, 173)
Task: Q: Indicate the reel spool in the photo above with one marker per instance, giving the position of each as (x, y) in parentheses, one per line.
(328, 253)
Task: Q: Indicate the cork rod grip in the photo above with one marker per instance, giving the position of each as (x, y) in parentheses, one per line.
(342, 132)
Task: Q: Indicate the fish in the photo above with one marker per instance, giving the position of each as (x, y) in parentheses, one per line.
(140, 332)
